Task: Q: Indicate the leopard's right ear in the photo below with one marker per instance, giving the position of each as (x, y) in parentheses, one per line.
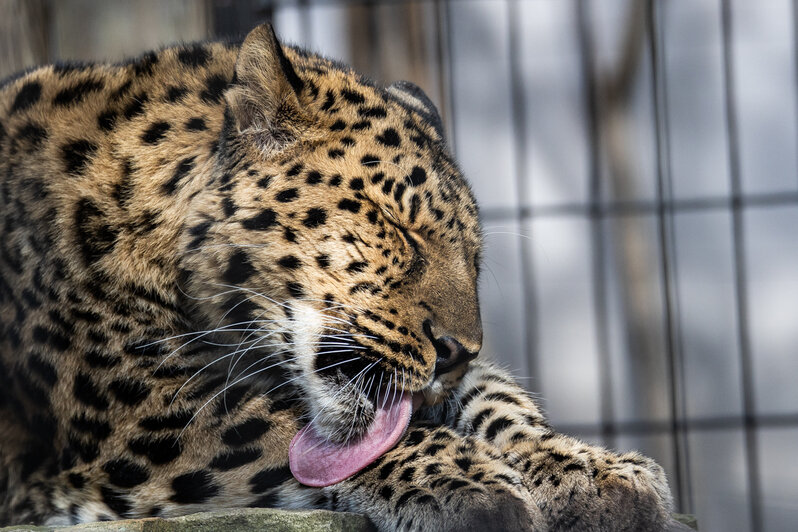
(264, 97)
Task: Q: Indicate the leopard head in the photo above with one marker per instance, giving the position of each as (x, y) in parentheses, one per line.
(339, 233)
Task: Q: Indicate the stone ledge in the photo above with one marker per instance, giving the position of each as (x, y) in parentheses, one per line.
(244, 520)
(237, 520)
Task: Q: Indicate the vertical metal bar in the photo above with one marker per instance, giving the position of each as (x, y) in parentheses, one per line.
(591, 95)
(446, 42)
(795, 49)
(667, 245)
(520, 143)
(305, 23)
(740, 273)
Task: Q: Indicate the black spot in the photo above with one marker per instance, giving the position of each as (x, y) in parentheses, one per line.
(239, 268)
(313, 178)
(497, 426)
(356, 266)
(260, 222)
(76, 155)
(124, 473)
(246, 432)
(193, 488)
(323, 260)
(95, 237)
(32, 134)
(399, 191)
(417, 176)
(182, 169)
(196, 124)
(214, 88)
(136, 105)
(335, 153)
(414, 438)
(373, 112)
(372, 216)
(160, 450)
(289, 234)
(194, 55)
(107, 120)
(88, 393)
(176, 420)
(289, 262)
(116, 501)
(389, 137)
(77, 480)
(129, 391)
(433, 449)
(329, 101)
(387, 469)
(43, 369)
(349, 205)
(269, 478)
(481, 417)
(229, 207)
(294, 170)
(96, 359)
(334, 181)
(386, 492)
(97, 429)
(356, 184)
(289, 194)
(415, 203)
(338, 125)
(315, 217)
(233, 459)
(407, 474)
(295, 290)
(155, 133)
(74, 94)
(27, 96)
(352, 96)
(175, 93)
(363, 124)
(463, 463)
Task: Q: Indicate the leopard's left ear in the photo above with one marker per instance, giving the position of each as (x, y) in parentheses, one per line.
(413, 96)
(264, 98)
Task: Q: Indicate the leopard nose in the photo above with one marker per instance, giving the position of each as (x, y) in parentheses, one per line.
(450, 353)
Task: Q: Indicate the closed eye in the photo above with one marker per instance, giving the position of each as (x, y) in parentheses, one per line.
(417, 262)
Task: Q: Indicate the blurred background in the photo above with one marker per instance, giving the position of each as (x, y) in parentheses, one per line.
(636, 163)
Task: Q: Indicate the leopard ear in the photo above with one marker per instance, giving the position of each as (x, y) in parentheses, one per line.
(264, 98)
(411, 95)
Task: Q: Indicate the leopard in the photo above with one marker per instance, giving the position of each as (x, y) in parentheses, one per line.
(239, 274)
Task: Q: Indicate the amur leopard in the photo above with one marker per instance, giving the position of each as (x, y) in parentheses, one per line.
(242, 275)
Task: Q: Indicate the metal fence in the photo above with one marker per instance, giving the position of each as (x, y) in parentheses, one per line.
(636, 166)
(637, 169)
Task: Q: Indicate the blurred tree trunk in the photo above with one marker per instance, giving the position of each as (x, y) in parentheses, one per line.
(24, 34)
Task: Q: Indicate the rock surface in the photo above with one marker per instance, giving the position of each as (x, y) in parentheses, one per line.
(243, 520)
(239, 520)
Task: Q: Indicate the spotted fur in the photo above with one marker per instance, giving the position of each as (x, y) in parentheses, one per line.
(208, 246)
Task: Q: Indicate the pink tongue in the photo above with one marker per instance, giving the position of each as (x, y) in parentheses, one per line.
(317, 462)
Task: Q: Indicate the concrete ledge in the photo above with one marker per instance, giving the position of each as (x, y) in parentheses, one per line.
(244, 520)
